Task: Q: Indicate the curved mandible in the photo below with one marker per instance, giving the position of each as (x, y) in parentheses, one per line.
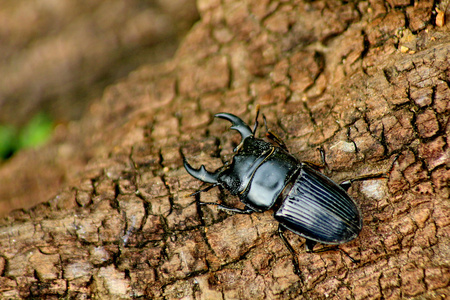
(237, 124)
(201, 173)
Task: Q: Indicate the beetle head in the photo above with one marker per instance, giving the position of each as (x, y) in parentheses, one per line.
(201, 173)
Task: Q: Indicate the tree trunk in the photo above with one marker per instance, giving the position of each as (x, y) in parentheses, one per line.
(367, 81)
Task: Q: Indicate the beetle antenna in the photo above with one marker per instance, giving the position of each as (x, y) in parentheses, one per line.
(256, 119)
(273, 138)
(265, 123)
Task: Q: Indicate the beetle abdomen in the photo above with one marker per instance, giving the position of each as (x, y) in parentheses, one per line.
(319, 209)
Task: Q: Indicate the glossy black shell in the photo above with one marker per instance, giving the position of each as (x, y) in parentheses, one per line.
(304, 200)
(319, 209)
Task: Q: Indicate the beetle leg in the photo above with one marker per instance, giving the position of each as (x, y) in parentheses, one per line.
(313, 165)
(322, 158)
(347, 183)
(273, 138)
(246, 211)
(203, 190)
(289, 247)
(310, 245)
(318, 166)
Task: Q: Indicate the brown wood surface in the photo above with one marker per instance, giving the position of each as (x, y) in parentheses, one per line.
(368, 81)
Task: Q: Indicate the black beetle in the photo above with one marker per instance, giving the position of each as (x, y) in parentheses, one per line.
(265, 176)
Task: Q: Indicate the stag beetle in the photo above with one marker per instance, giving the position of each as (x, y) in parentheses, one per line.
(265, 176)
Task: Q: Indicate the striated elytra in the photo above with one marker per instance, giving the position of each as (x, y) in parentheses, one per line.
(265, 176)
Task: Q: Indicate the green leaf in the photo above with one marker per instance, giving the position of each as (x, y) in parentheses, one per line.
(8, 141)
(36, 132)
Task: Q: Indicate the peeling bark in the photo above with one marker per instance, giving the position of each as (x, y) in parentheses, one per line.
(327, 74)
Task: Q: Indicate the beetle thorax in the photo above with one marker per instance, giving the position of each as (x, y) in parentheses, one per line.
(258, 173)
(249, 156)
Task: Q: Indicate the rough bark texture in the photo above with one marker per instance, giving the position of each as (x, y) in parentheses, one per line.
(55, 58)
(367, 81)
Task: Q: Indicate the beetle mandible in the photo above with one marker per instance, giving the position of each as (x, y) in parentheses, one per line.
(265, 176)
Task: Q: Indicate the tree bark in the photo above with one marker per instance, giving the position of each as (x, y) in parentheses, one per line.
(367, 81)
